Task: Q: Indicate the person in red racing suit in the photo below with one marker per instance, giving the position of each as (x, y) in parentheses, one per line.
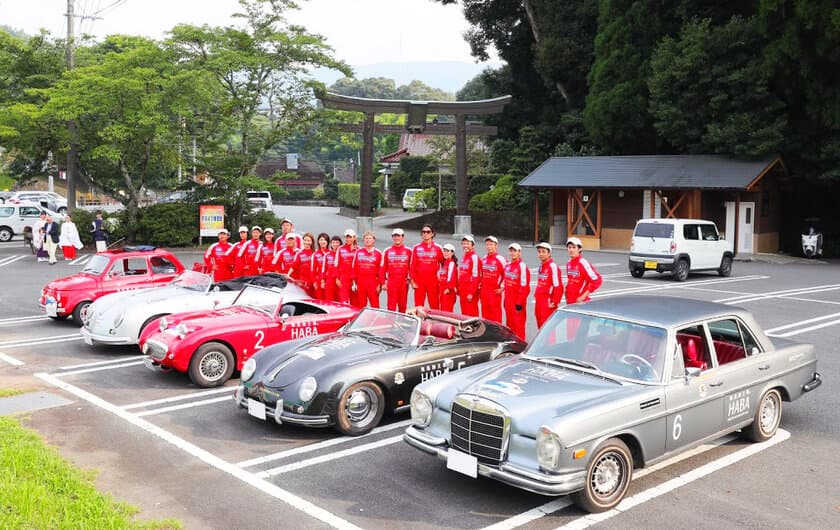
(581, 277)
(319, 268)
(469, 277)
(301, 269)
(267, 252)
(425, 262)
(284, 259)
(517, 288)
(249, 254)
(448, 278)
(331, 291)
(549, 292)
(366, 272)
(234, 261)
(492, 281)
(346, 255)
(216, 260)
(394, 271)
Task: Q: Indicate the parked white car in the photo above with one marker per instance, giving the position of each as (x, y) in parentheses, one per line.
(679, 246)
(119, 318)
(15, 218)
(46, 199)
(412, 201)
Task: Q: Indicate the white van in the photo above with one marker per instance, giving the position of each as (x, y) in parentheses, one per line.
(411, 201)
(264, 197)
(678, 246)
(14, 218)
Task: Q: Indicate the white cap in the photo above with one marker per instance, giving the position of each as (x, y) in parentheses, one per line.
(449, 246)
(491, 238)
(269, 230)
(243, 228)
(291, 235)
(468, 237)
(224, 231)
(286, 220)
(350, 232)
(255, 227)
(544, 245)
(397, 232)
(515, 246)
(574, 241)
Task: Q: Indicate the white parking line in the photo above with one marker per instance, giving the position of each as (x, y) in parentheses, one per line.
(677, 482)
(800, 323)
(43, 340)
(319, 445)
(679, 285)
(10, 260)
(778, 294)
(326, 458)
(564, 502)
(179, 397)
(98, 369)
(98, 363)
(189, 405)
(10, 360)
(805, 330)
(81, 260)
(249, 478)
(21, 320)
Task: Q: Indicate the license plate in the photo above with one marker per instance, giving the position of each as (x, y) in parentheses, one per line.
(88, 339)
(462, 463)
(52, 309)
(650, 265)
(256, 408)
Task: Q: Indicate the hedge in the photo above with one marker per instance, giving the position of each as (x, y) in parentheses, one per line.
(348, 195)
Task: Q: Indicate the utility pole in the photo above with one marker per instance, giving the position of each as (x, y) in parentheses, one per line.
(71, 125)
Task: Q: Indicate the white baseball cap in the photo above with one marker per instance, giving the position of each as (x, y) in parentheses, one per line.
(243, 228)
(224, 231)
(269, 230)
(449, 246)
(255, 227)
(468, 237)
(574, 241)
(291, 235)
(286, 220)
(491, 238)
(515, 246)
(397, 232)
(350, 232)
(544, 245)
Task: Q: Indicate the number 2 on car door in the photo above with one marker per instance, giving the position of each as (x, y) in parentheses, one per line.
(260, 336)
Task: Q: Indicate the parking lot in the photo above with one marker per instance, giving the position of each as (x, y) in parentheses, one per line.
(180, 451)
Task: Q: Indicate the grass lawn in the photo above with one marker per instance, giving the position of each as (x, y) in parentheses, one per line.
(38, 489)
(6, 392)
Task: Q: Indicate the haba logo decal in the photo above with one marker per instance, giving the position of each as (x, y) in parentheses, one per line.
(737, 405)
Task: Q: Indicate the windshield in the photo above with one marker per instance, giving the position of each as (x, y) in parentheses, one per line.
(194, 281)
(616, 347)
(265, 300)
(96, 265)
(385, 324)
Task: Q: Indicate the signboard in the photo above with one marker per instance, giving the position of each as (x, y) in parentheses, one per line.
(211, 219)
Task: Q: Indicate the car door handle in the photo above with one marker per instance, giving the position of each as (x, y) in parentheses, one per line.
(764, 367)
(716, 383)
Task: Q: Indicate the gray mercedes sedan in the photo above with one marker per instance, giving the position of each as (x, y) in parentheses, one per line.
(609, 386)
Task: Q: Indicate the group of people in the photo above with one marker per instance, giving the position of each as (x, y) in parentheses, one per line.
(344, 271)
(48, 235)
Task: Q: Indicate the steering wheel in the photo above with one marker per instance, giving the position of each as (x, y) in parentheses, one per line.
(644, 362)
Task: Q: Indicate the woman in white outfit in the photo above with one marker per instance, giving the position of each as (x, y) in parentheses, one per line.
(69, 239)
(38, 237)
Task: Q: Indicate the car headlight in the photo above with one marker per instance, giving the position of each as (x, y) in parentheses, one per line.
(421, 408)
(163, 324)
(118, 320)
(182, 330)
(307, 388)
(248, 369)
(548, 449)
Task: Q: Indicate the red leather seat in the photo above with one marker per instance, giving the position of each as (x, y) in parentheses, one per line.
(441, 330)
(728, 352)
(692, 354)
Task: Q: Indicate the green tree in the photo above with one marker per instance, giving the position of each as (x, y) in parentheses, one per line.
(710, 91)
(371, 87)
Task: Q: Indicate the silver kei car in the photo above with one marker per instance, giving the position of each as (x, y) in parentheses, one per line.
(607, 387)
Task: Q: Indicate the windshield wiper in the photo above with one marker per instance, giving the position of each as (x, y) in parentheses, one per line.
(575, 362)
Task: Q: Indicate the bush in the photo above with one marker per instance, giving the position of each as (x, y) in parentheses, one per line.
(172, 225)
(348, 195)
(331, 189)
(262, 219)
(301, 194)
(319, 193)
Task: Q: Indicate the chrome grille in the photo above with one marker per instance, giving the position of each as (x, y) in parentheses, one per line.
(479, 428)
(155, 350)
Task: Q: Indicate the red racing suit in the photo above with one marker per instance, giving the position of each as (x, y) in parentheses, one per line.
(469, 279)
(284, 260)
(366, 273)
(235, 262)
(267, 257)
(319, 259)
(581, 277)
(423, 269)
(517, 288)
(447, 284)
(394, 276)
(216, 261)
(302, 269)
(248, 257)
(492, 279)
(344, 264)
(331, 291)
(549, 291)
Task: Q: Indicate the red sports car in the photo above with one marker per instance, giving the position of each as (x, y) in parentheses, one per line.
(211, 345)
(122, 269)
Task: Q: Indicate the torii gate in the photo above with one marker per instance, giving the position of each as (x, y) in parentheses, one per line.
(416, 112)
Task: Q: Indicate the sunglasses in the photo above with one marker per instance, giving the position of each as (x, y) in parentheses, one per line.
(425, 231)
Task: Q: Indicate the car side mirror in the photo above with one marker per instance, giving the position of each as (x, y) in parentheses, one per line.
(429, 341)
(691, 372)
(754, 350)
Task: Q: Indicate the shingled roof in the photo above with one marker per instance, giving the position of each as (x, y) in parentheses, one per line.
(710, 172)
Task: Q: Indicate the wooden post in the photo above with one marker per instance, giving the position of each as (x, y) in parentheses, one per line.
(536, 216)
(570, 212)
(737, 222)
(598, 216)
(461, 199)
(365, 188)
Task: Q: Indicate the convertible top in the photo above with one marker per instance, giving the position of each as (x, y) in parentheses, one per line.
(269, 279)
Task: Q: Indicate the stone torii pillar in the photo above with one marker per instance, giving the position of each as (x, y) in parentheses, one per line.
(416, 112)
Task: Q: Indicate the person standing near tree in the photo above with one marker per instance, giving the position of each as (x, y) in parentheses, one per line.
(492, 280)
(396, 260)
(69, 239)
(100, 238)
(581, 277)
(423, 269)
(216, 258)
(448, 279)
(517, 288)
(51, 235)
(469, 277)
(549, 292)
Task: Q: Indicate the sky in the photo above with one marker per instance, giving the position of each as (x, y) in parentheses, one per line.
(361, 31)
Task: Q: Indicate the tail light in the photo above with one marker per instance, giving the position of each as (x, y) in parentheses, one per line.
(673, 246)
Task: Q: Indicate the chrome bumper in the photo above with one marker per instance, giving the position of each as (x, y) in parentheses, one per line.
(541, 483)
(284, 416)
(90, 337)
(813, 383)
